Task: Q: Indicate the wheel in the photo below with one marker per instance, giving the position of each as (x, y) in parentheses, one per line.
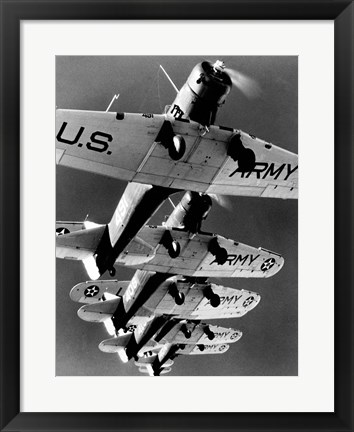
(211, 335)
(235, 147)
(179, 299)
(177, 147)
(221, 256)
(213, 246)
(215, 300)
(187, 333)
(112, 272)
(247, 160)
(174, 249)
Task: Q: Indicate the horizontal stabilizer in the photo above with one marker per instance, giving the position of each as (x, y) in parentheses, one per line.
(113, 345)
(100, 311)
(80, 244)
(62, 228)
(94, 291)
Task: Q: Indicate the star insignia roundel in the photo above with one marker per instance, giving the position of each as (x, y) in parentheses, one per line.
(268, 264)
(91, 291)
(61, 231)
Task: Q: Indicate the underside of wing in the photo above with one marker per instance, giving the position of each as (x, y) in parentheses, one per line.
(187, 332)
(221, 160)
(195, 301)
(159, 360)
(199, 256)
(99, 290)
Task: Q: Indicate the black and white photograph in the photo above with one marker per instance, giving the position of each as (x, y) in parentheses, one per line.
(176, 215)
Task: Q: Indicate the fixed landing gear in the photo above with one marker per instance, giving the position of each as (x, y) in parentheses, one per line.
(175, 144)
(172, 246)
(212, 297)
(245, 157)
(176, 147)
(209, 333)
(187, 333)
(219, 252)
(112, 272)
(174, 249)
(178, 296)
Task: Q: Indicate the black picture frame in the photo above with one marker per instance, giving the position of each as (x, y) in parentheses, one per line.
(12, 12)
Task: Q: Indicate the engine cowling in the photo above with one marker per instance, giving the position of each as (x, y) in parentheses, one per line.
(205, 90)
(189, 213)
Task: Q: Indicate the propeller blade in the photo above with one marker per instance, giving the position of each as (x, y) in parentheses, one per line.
(248, 86)
(222, 200)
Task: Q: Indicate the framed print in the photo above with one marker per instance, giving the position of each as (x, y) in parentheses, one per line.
(80, 72)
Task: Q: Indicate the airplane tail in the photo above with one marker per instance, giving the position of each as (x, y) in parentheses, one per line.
(145, 365)
(99, 311)
(95, 291)
(115, 344)
(98, 246)
(75, 241)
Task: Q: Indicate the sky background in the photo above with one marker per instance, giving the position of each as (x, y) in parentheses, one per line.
(269, 345)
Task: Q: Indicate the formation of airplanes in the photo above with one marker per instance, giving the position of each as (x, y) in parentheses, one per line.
(164, 310)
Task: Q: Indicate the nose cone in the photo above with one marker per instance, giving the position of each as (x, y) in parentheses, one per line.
(219, 66)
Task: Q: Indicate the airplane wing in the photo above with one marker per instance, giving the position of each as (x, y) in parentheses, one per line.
(152, 362)
(104, 142)
(233, 302)
(190, 333)
(99, 290)
(157, 354)
(195, 259)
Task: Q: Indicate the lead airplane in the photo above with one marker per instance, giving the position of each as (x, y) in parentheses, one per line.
(181, 149)
(177, 247)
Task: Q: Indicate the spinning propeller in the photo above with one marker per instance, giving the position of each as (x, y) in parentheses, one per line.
(248, 86)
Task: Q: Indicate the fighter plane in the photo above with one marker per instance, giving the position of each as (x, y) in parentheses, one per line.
(161, 343)
(157, 361)
(165, 315)
(177, 296)
(181, 149)
(177, 247)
